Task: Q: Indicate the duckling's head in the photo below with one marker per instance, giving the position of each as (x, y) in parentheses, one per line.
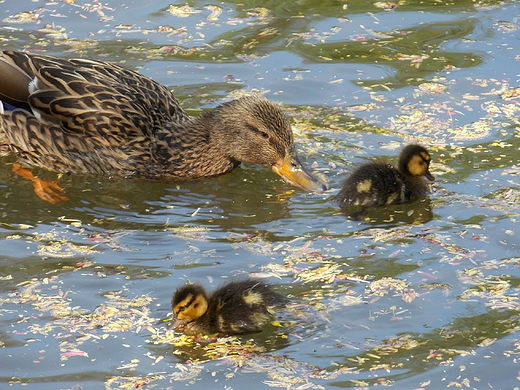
(189, 303)
(414, 160)
(254, 130)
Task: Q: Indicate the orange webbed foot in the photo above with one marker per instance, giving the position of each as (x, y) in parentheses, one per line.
(46, 190)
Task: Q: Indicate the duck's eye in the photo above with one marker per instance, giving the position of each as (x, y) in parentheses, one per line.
(263, 134)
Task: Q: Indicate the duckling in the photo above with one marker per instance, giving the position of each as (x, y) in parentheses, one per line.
(85, 116)
(378, 183)
(238, 307)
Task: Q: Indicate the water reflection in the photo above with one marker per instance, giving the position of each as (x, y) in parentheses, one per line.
(413, 54)
(425, 351)
(417, 212)
(226, 202)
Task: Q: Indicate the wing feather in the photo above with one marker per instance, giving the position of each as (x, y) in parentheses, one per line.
(78, 104)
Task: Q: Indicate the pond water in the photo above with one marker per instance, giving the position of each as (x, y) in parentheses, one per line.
(420, 295)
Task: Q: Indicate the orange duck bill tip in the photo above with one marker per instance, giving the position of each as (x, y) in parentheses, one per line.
(293, 172)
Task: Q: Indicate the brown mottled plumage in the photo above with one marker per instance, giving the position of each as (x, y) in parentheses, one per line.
(379, 183)
(83, 116)
(236, 308)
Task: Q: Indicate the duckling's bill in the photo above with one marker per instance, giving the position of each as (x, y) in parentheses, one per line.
(293, 172)
(177, 324)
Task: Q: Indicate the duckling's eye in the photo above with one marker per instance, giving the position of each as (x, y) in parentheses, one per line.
(264, 135)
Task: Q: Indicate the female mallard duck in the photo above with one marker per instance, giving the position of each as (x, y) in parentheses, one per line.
(379, 183)
(83, 116)
(235, 308)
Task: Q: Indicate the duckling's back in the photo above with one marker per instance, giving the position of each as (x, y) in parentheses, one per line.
(372, 184)
(242, 307)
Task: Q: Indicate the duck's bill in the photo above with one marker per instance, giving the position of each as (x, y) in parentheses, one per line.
(177, 324)
(293, 172)
(429, 176)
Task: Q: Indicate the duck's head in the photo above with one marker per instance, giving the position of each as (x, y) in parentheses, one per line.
(414, 160)
(254, 130)
(189, 303)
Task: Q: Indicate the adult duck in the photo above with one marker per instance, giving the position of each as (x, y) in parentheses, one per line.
(83, 116)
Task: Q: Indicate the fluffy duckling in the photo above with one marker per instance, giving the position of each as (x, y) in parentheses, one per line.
(236, 308)
(379, 183)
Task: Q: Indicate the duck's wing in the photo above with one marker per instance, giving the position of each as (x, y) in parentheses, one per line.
(83, 106)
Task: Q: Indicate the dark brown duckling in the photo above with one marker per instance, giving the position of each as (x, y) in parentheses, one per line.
(379, 183)
(83, 116)
(236, 308)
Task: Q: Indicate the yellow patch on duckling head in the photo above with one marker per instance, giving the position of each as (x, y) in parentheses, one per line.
(419, 164)
(364, 186)
(425, 156)
(253, 298)
(190, 308)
